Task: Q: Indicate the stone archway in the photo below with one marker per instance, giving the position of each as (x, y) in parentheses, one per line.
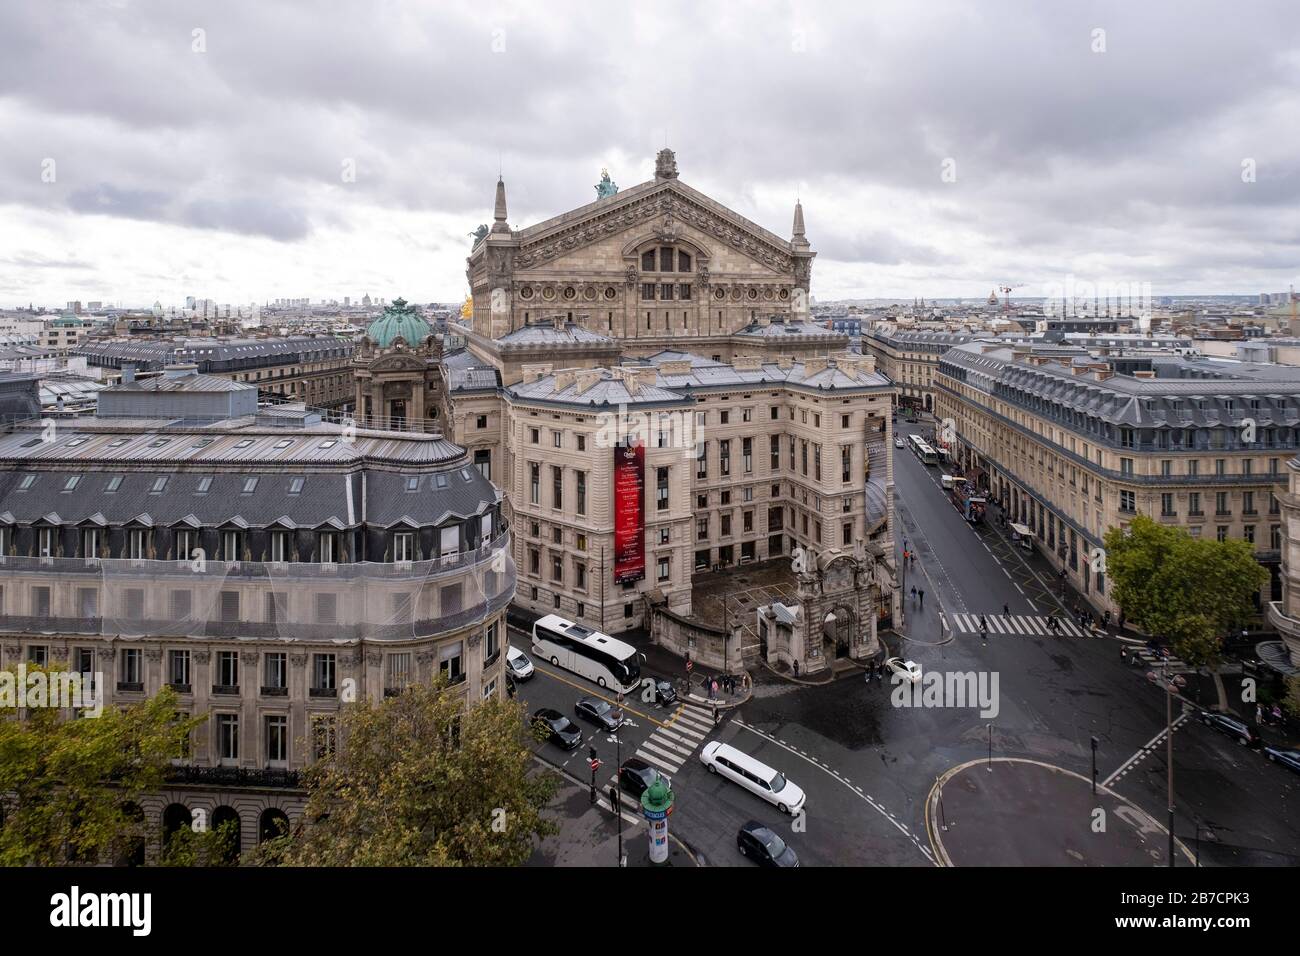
(839, 627)
(230, 841)
(273, 823)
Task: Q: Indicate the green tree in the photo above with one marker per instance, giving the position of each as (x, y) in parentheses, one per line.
(1190, 591)
(72, 785)
(422, 780)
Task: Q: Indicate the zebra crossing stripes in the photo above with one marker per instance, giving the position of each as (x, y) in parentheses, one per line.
(1017, 625)
(670, 745)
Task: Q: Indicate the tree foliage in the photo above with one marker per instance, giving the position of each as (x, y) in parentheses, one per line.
(71, 785)
(1190, 591)
(422, 780)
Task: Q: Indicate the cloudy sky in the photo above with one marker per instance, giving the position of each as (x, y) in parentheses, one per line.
(153, 150)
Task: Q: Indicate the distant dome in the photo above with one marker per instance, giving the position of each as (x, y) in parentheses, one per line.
(399, 319)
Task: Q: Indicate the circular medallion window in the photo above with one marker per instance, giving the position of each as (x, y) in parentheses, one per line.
(735, 293)
(589, 293)
(785, 294)
(548, 293)
(753, 293)
(609, 292)
(767, 294)
(720, 294)
(526, 292)
(569, 292)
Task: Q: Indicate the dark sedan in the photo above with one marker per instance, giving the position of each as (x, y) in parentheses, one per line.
(762, 845)
(636, 776)
(599, 712)
(1287, 758)
(560, 730)
(1234, 727)
(665, 693)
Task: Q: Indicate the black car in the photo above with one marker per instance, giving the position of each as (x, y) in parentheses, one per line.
(636, 776)
(764, 846)
(665, 692)
(1287, 758)
(1232, 726)
(598, 712)
(561, 731)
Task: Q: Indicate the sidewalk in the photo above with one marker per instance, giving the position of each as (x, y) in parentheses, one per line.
(589, 834)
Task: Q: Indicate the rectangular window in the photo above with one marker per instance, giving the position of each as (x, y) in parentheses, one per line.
(557, 487)
(326, 608)
(846, 463)
(774, 451)
(534, 483)
(661, 489)
(1194, 503)
(323, 672)
(399, 671)
(702, 460)
(404, 546)
(1167, 504)
(178, 670)
(1127, 501)
(581, 479)
(275, 671)
(277, 740)
(450, 664)
(724, 457)
(228, 738)
(663, 569)
(1221, 506)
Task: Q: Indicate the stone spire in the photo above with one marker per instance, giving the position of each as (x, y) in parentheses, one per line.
(798, 239)
(499, 213)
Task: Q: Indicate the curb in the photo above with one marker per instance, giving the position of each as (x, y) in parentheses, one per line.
(941, 854)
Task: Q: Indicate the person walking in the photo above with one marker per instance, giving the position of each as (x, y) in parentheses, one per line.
(1123, 655)
(1006, 610)
(921, 597)
(913, 593)
(984, 624)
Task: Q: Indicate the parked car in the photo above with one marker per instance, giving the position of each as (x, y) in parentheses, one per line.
(636, 776)
(764, 846)
(518, 665)
(665, 692)
(1287, 758)
(908, 670)
(754, 775)
(598, 712)
(560, 730)
(1234, 727)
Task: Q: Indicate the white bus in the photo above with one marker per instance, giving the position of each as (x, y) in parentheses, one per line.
(598, 657)
(923, 451)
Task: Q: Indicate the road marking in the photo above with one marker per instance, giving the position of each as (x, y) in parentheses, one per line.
(664, 754)
(902, 828)
(657, 760)
(587, 691)
(1143, 752)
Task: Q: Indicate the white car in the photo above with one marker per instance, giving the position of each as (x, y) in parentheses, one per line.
(518, 666)
(756, 777)
(908, 670)
(898, 442)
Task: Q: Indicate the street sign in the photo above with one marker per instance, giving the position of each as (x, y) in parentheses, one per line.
(594, 764)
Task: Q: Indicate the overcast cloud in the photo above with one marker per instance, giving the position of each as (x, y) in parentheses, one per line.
(218, 172)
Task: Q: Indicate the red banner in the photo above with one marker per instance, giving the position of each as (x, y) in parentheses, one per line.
(629, 513)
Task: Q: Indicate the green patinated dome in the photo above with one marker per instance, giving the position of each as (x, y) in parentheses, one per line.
(399, 319)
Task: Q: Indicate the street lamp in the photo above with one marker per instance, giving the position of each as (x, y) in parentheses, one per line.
(1169, 754)
(618, 774)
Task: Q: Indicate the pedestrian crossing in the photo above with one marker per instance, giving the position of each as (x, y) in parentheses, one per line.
(1018, 625)
(681, 735)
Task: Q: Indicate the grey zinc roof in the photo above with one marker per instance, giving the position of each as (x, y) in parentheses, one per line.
(183, 383)
(787, 330)
(548, 334)
(608, 390)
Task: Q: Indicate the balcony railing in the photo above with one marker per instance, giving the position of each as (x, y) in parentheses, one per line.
(325, 602)
(236, 777)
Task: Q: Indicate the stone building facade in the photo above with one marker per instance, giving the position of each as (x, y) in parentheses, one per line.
(657, 313)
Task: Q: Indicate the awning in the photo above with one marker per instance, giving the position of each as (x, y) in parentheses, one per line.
(1021, 530)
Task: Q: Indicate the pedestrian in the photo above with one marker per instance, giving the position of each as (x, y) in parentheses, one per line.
(717, 715)
(613, 798)
(1123, 655)
(713, 689)
(912, 559)
(921, 597)
(913, 593)
(1006, 610)
(984, 624)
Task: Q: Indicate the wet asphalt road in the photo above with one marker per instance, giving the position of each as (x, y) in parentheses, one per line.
(868, 766)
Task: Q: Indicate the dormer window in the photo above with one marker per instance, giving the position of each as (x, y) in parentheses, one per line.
(250, 485)
(413, 484)
(204, 485)
(244, 443)
(295, 486)
(71, 483)
(27, 482)
(159, 484)
(118, 442)
(113, 484)
(284, 443)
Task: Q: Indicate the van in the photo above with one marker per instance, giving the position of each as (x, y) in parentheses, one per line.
(756, 777)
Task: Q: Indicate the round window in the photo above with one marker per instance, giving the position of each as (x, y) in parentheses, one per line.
(753, 293)
(526, 292)
(569, 292)
(548, 293)
(609, 292)
(720, 294)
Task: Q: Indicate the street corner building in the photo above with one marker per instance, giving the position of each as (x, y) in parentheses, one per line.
(655, 318)
(264, 564)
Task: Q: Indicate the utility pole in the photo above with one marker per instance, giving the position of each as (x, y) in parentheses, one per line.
(1169, 755)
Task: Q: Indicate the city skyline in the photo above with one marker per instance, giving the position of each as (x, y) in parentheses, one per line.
(187, 150)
